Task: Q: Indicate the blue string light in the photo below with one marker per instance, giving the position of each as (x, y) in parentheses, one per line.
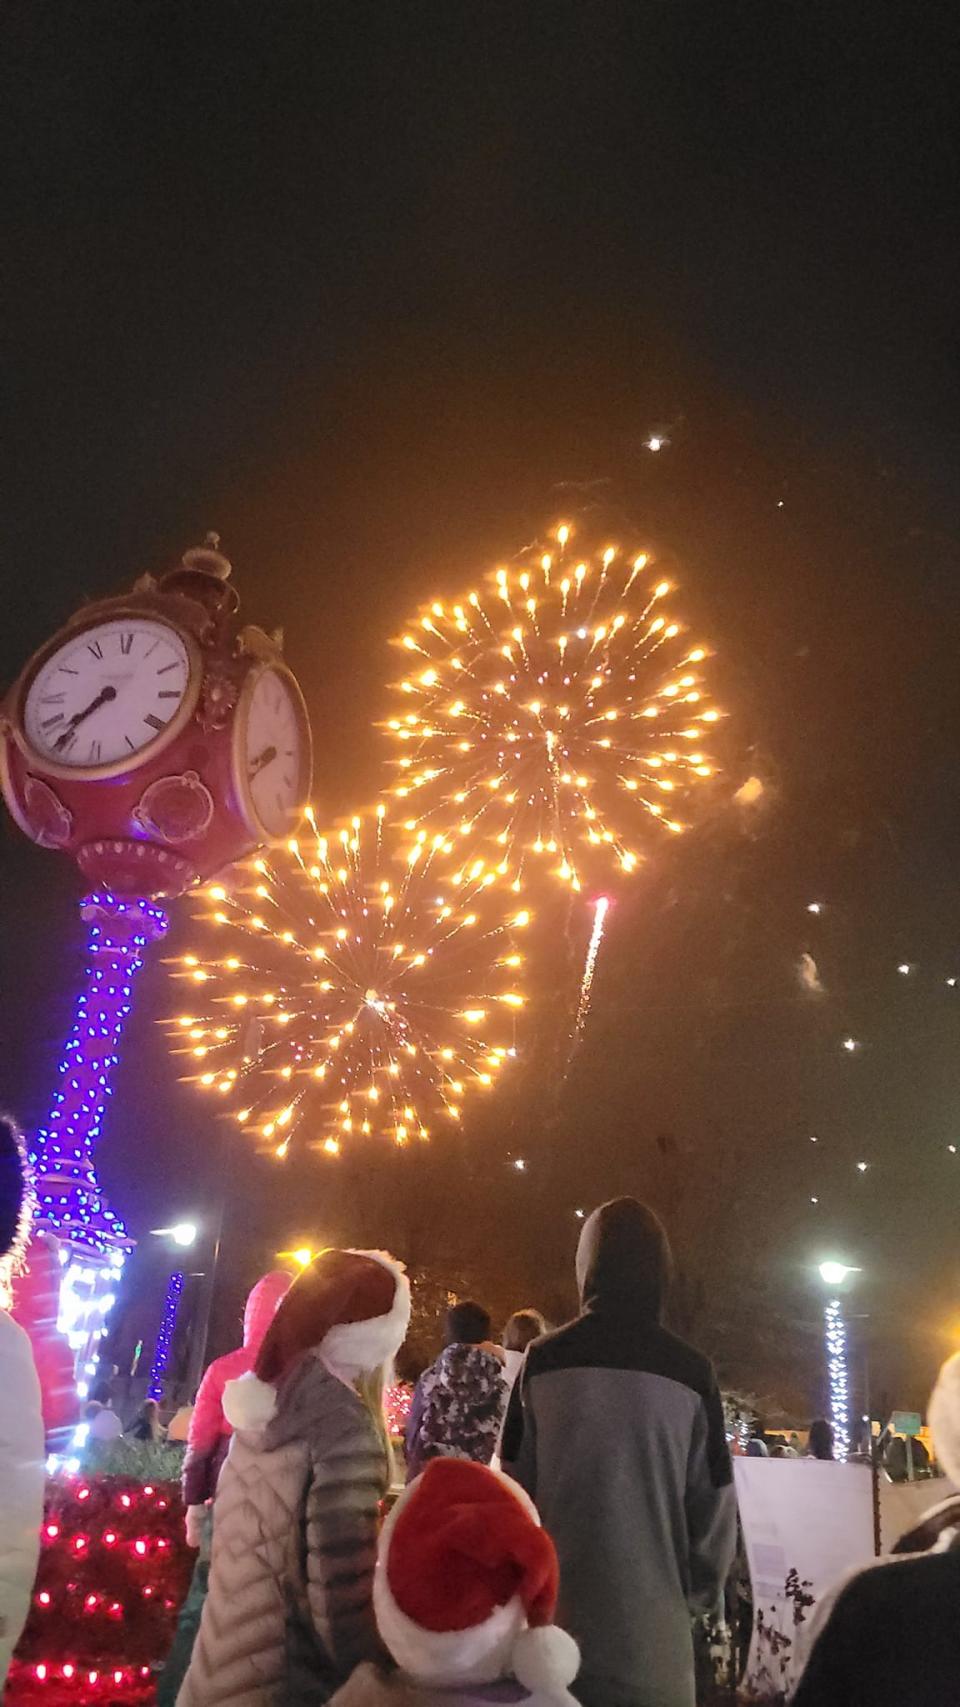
(70, 1200)
(161, 1354)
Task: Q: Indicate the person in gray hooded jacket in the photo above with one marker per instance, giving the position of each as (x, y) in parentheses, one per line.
(616, 1430)
(289, 1613)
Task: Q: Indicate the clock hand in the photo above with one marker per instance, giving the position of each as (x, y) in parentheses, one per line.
(105, 694)
(262, 760)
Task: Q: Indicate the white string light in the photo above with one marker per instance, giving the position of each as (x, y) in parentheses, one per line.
(836, 1341)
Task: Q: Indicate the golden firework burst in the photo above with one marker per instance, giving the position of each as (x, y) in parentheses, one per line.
(562, 714)
(360, 989)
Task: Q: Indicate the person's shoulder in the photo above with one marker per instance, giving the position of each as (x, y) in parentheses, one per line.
(915, 1583)
(684, 1363)
(594, 1340)
(558, 1347)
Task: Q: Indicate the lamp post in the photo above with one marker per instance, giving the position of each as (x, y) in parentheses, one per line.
(834, 1275)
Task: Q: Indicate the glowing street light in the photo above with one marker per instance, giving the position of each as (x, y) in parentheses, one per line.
(835, 1273)
(302, 1256)
(184, 1233)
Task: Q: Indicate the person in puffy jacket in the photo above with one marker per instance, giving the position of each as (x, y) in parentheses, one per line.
(458, 1403)
(289, 1614)
(210, 1432)
(208, 1441)
(22, 1461)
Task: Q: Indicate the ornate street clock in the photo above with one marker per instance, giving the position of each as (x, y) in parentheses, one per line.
(155, 738)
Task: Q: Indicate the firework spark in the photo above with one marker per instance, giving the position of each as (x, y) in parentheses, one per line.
(562, 714)
(600, 909)
(359, 991)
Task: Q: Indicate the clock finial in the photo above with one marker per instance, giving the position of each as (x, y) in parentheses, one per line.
(208, 558)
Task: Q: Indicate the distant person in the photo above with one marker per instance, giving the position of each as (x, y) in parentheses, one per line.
(523, 1327)
(178, 1428)
(208, 1441)
(147, 1425)
(616, 1429)
(820, 1440)
(756, 1448)
(890, 1636)
(458, 1402)
(290, 1614)
(22, 1456)
(103, 1424)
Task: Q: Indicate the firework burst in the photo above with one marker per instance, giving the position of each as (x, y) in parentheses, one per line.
(562, 715)
(359, 990)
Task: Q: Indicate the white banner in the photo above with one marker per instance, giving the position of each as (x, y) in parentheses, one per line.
(806, 1524)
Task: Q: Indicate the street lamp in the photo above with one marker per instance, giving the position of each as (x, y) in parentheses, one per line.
(303, 1256)
(184, 1233)
(834, 1273)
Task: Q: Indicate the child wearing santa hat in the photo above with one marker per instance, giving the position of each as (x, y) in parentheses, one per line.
(465, 1590)
(289, 1611)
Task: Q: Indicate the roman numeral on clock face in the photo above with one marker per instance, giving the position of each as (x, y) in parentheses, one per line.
(126, 641)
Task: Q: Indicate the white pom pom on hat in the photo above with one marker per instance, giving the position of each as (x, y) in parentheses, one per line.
(249, 1402)
(466, 1585)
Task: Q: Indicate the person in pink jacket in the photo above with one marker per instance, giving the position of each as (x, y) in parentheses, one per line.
(209, 1437)
(207, 1445)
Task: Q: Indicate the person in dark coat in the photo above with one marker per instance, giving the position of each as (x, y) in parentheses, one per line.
(458, 1403)
(616, 1430)
(891, 1635)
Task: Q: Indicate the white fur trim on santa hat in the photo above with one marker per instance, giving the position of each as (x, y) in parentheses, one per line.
(442, 1658)
(944, 1418)
(354, 1348)
(249, 1402)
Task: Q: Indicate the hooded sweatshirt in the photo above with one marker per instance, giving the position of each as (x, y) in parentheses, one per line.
(457, 1408)
(616, 1430)
(209, 1436)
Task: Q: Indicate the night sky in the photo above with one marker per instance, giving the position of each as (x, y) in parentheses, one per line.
(379, 292)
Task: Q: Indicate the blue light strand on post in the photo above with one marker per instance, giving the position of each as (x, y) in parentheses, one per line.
(70, 1201)
(161, 1354)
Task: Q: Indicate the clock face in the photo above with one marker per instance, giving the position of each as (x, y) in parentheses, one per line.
(273, 752)
(107, 693)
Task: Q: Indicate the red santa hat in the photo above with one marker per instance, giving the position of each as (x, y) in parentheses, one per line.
(350, 1308)
(466, 1585)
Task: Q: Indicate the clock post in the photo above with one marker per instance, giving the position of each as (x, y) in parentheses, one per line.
(155, 739)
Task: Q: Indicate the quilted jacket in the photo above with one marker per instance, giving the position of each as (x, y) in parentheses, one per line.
(22, 1464)
(210, 1431)
(289, 1611)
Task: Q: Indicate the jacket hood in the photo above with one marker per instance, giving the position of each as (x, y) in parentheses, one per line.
(623, 1260)
(302, 1404)
(261, 1307)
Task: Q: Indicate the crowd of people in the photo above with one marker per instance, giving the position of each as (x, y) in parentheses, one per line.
(569, 1505)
